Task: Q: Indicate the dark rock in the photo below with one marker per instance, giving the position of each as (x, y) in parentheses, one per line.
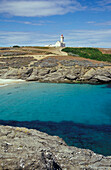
(12, 53)
(68, 62)
(47, 64)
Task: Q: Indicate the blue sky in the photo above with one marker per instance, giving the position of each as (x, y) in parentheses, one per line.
(41, 22)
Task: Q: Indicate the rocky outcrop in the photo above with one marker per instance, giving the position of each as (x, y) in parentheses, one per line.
(53, 70)
(11, 73)
(28, 149)
(99, 74)
(73, 75)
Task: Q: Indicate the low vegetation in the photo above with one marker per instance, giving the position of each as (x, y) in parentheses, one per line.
(41, 47)
(16, 46)
(91, 53)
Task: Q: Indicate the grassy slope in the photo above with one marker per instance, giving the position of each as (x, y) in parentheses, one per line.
(91, 53)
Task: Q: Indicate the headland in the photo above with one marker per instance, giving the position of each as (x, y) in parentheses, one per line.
(51, 64)
(22, 148)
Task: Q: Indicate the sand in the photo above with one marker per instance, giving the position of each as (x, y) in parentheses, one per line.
(4, 82)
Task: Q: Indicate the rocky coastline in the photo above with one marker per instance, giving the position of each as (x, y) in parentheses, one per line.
(54, 70)
(22, 148)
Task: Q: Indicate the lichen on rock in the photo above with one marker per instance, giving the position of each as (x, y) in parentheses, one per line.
(22, 148)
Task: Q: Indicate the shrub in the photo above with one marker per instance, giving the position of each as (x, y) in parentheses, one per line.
(91, 53)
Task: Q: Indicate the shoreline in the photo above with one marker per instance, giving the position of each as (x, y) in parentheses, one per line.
(5, 82)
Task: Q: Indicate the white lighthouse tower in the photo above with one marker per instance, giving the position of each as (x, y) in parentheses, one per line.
(62, 38)
(60, 43)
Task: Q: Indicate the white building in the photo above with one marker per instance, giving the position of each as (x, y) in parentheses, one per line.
(60, 43)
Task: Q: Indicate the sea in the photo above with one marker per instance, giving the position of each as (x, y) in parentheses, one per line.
(78, 113)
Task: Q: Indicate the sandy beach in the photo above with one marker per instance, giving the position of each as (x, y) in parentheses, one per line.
(4, 82)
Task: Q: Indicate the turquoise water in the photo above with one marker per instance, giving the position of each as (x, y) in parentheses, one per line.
(81, 114)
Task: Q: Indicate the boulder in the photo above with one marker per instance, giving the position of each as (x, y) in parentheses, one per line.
(89, 74)
(71, 77)
(103, 78)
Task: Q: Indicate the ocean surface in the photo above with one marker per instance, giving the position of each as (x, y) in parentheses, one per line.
(79, 113)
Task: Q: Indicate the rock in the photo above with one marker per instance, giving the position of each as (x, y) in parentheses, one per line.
(71, 77)
(43, 72)
(53, 77)
(11, 73)
(68, 62)
(49, 62)
(102, 78)
(103, 75)
(103, 72)
(25, 73)
(89, 74)
(76, 70)
(53, 70)
(33, 76)
(22, 148)
(12, 53)
(109, 71)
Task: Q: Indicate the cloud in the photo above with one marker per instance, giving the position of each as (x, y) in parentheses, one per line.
(26, 38)
(39, 23)
(106, 23)
(75, 38)
(32, 8)
(91, 22)
(89, 38)
(104, 2)
(102, 5)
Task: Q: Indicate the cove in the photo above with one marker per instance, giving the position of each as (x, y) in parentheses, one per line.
(80, 114)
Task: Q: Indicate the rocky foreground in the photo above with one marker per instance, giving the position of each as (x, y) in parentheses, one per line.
(53, 69)
(28, 149)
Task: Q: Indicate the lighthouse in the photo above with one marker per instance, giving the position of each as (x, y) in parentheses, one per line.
(60, 43)
(62, 38)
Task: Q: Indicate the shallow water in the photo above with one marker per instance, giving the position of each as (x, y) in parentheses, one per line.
(80, 114)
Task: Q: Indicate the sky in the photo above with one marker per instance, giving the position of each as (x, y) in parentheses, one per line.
(84, 23)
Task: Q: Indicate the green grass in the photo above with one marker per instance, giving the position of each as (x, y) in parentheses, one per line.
(91, 53)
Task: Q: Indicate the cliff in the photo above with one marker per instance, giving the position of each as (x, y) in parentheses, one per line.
(28, 149)
(55, 69)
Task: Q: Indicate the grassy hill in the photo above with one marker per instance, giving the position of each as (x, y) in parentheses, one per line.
(91, 53)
